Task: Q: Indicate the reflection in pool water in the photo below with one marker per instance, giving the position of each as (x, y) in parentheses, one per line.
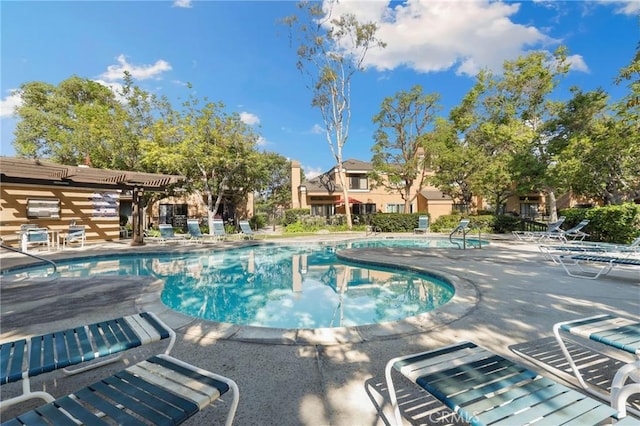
(295, 286)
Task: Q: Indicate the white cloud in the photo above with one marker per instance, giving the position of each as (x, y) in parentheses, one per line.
(182, 3)
(249, 118)
(9, 104)
(624, 7)
(261, 141)
(429, 36)
(311, 172)
(577, 63)
(138, 72)
(317, 129)
(116, 88)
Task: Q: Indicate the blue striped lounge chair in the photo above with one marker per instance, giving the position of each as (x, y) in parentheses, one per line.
(246, 230)
(423, 225)
(25, 358)
(159, 390)
(193, 226)
(483, 388)
(617, 333)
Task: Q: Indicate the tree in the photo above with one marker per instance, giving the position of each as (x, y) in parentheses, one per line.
(330, 52)
(599, 156)
(214, 149)
(275, 192)
(401, 152)
(67, 123)
(453, 162)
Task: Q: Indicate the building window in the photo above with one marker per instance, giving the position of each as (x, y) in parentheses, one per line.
(395, 208)
(358, 182)
(38, 208)
(367, 208)
(529, 210)
(174, 214)
(324, 210)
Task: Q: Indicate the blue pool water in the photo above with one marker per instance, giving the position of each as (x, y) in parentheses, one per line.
(283, 286)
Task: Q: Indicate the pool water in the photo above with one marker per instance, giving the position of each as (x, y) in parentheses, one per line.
(282, 286)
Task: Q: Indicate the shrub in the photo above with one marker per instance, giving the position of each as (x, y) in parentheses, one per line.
(293, 215)
(258, 221)
(616, 224)
(394, 222)
(505, 223)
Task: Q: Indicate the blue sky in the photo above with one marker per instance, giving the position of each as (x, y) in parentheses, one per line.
(238, 53)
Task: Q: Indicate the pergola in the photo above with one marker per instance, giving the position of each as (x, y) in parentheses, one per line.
(44, 173)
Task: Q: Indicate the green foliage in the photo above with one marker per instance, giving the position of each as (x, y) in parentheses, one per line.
(293, 215)
(395, 222)
(446, 223)
(615, 224)
(505, 223)
(401, 150)
(258, 221)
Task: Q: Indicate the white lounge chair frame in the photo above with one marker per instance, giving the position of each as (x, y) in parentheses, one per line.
(22, 359)
(160, 390)
(482, 387)
(553, 230)
(246, 230)
(423, 225)
(619, 333)
(607, 263)
(75, 234)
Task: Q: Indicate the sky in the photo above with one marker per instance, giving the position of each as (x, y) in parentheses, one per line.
(239, 53)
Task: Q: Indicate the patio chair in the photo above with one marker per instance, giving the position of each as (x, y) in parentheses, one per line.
(484, 388)
(35, 237)
(218, 230)
(23, 359)
(246, 230)
(576, 232)
(167, 234)
(553, 230)
(159, 390)
(75, 234)
(602, 264)
(193, 226)
(423, 225)
(617, 333)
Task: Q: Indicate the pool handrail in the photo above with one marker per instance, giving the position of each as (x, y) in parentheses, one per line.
(463, 227)
(55, 267)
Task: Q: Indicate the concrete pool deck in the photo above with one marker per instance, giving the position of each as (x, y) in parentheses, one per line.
(508, 296)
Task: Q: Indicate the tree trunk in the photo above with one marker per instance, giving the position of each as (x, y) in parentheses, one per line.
(345, 196)
(553, 208)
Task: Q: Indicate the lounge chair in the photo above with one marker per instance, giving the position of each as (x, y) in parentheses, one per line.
(218, 229)
(193, 225)
(482, 387)
(168, 235)
(553, 230)
(246, 230)
(35, 237)
(575, 233)
(621, 334)
(160, 390)
(75, 234)
(603, 264)
(23, 359)
(423, 225)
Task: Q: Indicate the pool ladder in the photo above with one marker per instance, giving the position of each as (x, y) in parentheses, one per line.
(6, 247)
(463, 227)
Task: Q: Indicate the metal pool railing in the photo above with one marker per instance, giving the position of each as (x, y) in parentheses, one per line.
(55, 267)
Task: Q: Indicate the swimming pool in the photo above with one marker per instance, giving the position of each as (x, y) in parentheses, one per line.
(281, 286)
